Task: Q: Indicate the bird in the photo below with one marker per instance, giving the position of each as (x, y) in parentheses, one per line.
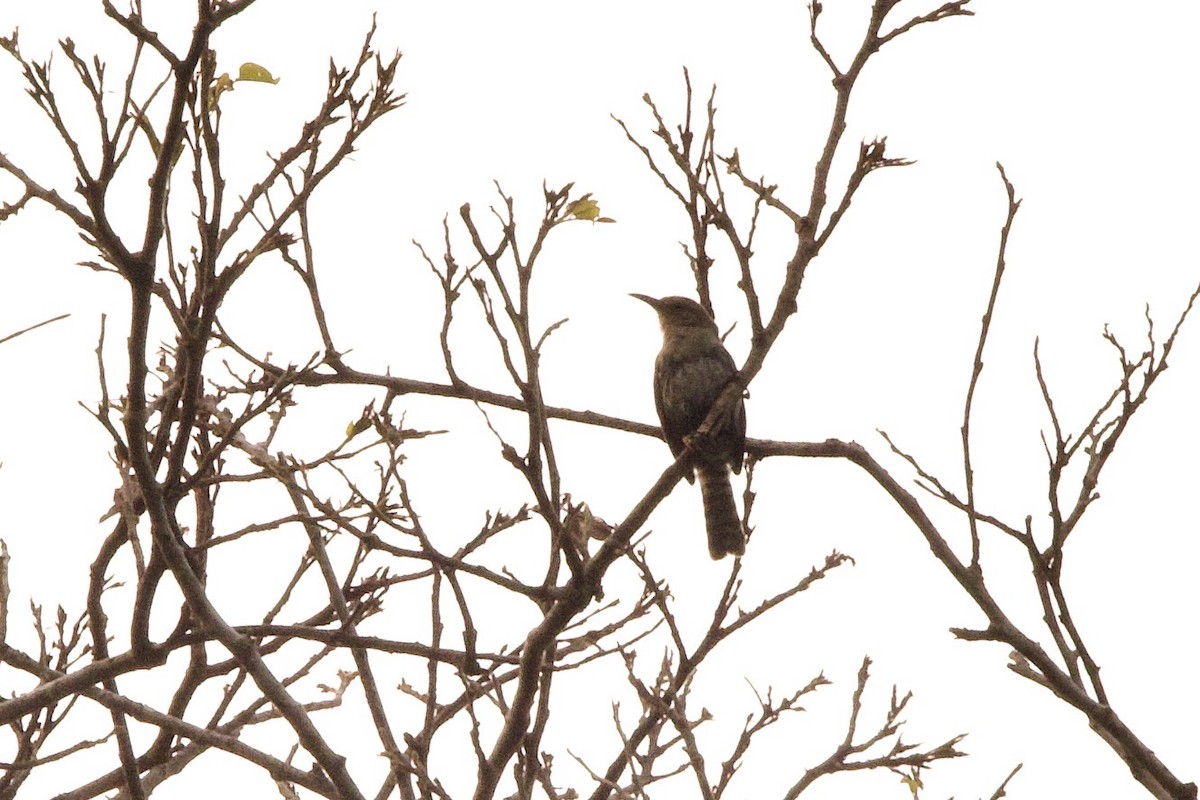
(690, 372)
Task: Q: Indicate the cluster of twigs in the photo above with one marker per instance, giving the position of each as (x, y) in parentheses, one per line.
(184, 438)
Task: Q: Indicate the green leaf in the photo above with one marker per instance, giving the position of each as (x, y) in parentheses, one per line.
(253, 72)
(148, 130)
(584, 208)
(220, 85)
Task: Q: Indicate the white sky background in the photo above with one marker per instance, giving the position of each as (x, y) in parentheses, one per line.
(1090, 106)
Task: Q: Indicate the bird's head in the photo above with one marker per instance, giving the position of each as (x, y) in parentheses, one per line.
(679, 314)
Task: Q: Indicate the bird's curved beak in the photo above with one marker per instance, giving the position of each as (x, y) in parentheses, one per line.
(650, 301)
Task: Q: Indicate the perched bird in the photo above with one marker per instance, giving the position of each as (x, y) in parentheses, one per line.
(691, 370)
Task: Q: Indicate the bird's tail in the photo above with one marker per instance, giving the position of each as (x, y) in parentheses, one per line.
(725, 534)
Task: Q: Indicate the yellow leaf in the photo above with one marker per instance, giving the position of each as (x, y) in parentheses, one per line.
(253, 72)
(913, 782)
(584, 208)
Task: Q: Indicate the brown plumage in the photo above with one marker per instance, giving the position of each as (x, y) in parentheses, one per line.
(691, 370)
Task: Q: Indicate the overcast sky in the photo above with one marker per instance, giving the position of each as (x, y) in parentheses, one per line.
(1090, 106)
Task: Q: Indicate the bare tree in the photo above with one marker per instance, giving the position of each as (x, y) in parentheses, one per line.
(201, 416)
